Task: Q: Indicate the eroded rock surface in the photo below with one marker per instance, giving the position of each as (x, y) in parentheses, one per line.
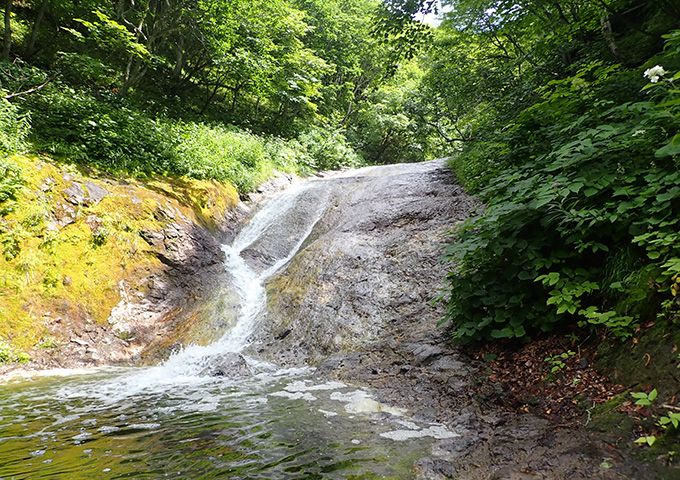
(357, 302)
(371, 262)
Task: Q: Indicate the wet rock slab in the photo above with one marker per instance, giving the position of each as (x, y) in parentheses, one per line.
(228, 365)
(357, 302)
(372, 260)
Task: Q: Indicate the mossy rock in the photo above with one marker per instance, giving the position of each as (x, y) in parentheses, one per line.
(64, 250)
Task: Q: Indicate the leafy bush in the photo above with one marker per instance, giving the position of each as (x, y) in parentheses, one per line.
(105, 134)
(327, 149)
(10, 355)
(240, 157)
(112, 136)
(593, 182)
(14, 128)
(11, 181)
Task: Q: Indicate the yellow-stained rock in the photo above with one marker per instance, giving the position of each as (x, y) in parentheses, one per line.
(73, 237)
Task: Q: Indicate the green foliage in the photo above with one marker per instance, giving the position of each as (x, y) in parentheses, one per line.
(671, 420)
(387, 129)
(11, 182)
(557, 361)
(14, 128)
(644, 399)
(83, 70)
(117, 138)
(236, 156)
(108, 134)
(327, 149)
(647, 439)
(10, 355)
(111, 36)
(585, 177)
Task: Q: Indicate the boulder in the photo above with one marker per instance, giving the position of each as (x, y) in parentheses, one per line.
(229, 364)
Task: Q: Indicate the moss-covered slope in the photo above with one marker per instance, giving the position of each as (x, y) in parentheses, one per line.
(69, 236)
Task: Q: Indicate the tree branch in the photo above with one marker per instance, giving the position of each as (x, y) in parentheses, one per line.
(32, 90)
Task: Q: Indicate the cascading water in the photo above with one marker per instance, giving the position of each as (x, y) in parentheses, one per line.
(290, 206)
(171, 421)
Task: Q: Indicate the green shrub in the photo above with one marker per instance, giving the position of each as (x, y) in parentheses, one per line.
(112, 136)
(594, 181)
(327, 149)
(14, 128)
(10, 355)
(11, 181)
(236, 156)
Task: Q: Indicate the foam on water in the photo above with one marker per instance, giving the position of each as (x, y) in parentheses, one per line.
(248, 283)
(171, 421)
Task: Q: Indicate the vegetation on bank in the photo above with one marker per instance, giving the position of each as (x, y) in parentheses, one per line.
(565, 120)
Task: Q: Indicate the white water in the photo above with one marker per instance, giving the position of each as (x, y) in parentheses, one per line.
(249, 284)
(171, 421)
(184, 367)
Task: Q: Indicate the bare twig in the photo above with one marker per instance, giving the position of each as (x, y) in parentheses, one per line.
(32, 90)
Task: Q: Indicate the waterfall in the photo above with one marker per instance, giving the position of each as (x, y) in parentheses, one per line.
(176, 420)
(286, 220)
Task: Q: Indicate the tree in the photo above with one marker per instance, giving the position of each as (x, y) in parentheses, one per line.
(7, 39)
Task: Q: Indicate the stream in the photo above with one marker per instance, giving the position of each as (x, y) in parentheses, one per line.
(317, 358)
(175, 421)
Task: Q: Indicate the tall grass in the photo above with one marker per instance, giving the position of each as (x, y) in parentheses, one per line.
(110, 135)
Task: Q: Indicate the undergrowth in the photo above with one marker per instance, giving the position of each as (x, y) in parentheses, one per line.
(107, 133)
(581, 225)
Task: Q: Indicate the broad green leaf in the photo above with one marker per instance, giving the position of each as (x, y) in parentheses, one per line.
(652, 395)
(672, 148)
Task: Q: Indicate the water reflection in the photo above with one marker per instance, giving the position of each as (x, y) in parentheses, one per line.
(259, 428)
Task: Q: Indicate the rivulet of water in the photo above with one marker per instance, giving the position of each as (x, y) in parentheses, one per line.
(170, 421)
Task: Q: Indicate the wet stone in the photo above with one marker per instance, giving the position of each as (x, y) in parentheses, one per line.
(229, 365)
(433, 469)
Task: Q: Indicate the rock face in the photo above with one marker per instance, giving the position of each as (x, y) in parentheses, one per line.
(120, 269)
(229, 365)
(356, 301)
(371, 263)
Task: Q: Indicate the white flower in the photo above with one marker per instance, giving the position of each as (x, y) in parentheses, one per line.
(639, 132)
(654, 73)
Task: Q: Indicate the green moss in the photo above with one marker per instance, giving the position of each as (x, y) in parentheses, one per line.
(650, 360)
(55, 260)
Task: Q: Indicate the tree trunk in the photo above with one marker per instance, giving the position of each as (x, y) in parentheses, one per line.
(30, 49)
(234, 97)
(383, 147)
(611, 41)
(211, 96)
(7, 45)
(179, 61)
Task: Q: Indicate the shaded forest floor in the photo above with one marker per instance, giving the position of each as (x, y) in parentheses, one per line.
(590, 384)
(550, 377)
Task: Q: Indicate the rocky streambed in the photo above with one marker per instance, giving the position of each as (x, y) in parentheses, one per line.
(350, 269)
(357, 301)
